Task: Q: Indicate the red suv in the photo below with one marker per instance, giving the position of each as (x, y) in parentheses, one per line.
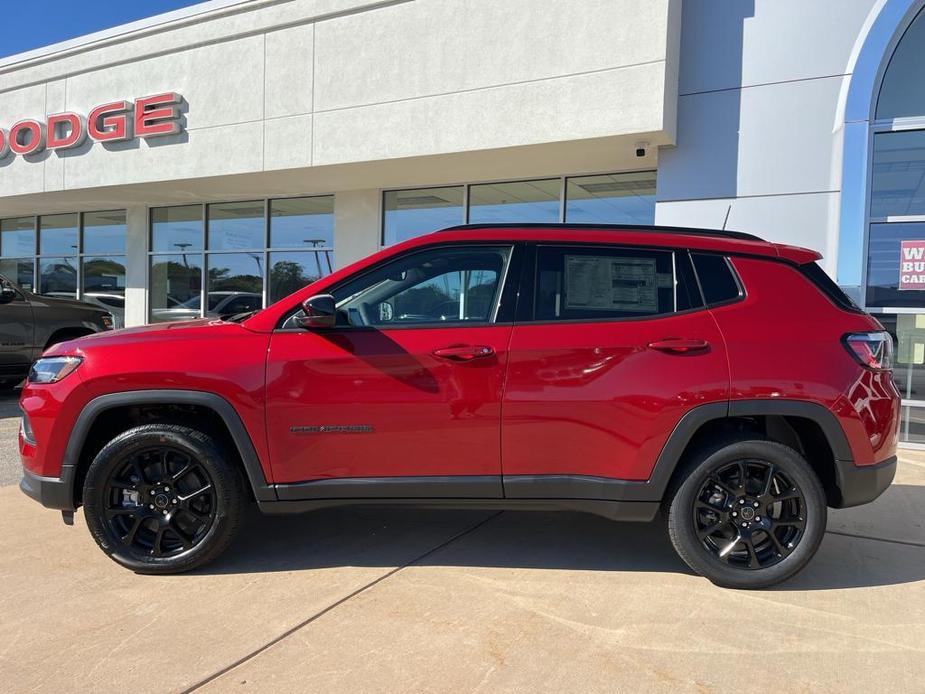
(720, 378)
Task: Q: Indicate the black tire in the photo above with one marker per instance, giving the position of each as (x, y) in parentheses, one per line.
(196, 496)
(747, 537)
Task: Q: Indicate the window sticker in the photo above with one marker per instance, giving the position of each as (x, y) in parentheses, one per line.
(607, 283)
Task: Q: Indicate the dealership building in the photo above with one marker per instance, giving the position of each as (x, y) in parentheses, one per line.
(211, 160)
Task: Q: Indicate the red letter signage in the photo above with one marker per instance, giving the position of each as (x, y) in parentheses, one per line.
(116, 121)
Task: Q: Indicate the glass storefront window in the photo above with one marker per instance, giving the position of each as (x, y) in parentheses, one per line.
(176, 229)
(898, 174)
(58, 276)
(611, 199)
(235, 283)
(17, 237)
(175, 287)
(104, 232)
(103, 280)
(410, 213)
(237, 226)
(883, 265)
(292, 270)
(58, 234)
(19, 271)
(902, 92)
(302, 222)
(521, 201)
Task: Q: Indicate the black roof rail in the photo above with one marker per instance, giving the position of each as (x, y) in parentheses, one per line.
(741, 235)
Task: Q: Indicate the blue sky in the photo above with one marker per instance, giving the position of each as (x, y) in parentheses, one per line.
(59, 20)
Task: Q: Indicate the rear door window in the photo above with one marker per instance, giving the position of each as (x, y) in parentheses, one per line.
(610, 283)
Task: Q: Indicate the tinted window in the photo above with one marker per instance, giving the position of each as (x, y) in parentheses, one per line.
(717, 280)
(592, 283)
(442, 285)
(410, 213)
(827, 286)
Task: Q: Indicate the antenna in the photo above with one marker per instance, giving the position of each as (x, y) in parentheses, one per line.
(728, 210)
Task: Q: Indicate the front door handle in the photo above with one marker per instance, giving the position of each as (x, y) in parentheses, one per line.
(464, 352)
(679, 345)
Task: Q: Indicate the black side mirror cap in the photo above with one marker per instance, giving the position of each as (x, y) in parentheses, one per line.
(320, 311)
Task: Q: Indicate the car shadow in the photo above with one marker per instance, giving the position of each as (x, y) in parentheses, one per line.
(391, 536)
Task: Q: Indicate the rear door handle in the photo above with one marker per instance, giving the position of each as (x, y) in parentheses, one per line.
(464, 352)
(679, 345)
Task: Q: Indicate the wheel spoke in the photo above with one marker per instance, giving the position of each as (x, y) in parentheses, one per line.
(786, 496)
(186, 497)
(188, 468)
(753, 562)
(724, 552)
(129, 537)
(186, 541)
(790, 523)
(714, 478)
(705, 532)
(156, 546)
(113, 512)
(772, 470)
(781, 550)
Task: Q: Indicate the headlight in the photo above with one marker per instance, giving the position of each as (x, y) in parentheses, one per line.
(52, 369)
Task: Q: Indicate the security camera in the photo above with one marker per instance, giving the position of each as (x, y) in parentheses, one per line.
(642, 149)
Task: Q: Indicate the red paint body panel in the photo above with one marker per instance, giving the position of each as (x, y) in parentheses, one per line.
(593, 399)
(221, 358)
(429, 416)
(785, 341)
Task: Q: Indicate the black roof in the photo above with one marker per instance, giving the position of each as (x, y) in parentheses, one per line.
(741, 235)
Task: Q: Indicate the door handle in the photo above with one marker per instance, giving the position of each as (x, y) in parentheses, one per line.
(464, 352)
(679, 345)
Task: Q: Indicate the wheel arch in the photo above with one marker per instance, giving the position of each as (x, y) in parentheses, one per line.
(808, 427)
(75, 461)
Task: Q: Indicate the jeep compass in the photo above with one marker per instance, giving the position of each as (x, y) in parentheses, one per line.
(716, 380)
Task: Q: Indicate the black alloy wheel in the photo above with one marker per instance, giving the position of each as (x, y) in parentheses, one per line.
(747, 513)
(160, 501)
(163, 498)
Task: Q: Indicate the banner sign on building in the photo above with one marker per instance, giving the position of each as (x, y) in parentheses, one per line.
(912, 265)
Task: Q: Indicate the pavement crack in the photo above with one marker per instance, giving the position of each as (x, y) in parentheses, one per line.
(305, 622)
(909, 543)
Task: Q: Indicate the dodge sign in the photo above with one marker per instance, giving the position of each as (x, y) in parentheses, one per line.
(115, 121)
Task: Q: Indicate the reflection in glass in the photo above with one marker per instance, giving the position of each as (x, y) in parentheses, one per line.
(883, 265)
(902, 92)
(410, 213)
(58, 277)
(898, 174)
(104, 232)
(104, 285)
(302, 222)
(175, 287)
(912, 425)
(58, 234)
(236, 226)
(19, 271)
(17, 237)
(521, 201)
(611, 199)
(176, 229)
(235, 283)
(290, 271)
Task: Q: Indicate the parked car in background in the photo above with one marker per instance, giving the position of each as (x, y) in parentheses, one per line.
(222, 304)
(31, 323)
(721, 380)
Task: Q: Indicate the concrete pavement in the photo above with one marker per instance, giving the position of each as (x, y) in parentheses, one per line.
(392, 600)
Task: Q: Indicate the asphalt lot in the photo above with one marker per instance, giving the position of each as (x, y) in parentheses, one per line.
(446, 601)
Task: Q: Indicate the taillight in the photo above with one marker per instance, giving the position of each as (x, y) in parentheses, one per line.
(872, 350)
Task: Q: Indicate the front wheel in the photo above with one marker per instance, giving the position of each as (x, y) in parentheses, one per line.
(163, 499)
(749, 514)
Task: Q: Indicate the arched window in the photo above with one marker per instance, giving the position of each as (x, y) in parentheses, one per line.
(895, 270)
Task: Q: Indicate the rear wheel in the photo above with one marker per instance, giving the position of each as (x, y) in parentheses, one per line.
(748, 514)
(163, 499)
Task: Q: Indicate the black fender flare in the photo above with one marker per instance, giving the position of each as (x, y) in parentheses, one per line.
(93, 409)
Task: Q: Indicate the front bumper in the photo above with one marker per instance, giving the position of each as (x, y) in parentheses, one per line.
(51, 492)
(861, 484)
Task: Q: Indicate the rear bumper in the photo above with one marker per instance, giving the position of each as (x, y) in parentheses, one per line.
(862, 484)
(51, 492)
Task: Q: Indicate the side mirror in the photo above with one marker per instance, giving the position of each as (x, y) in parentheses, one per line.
(7, 293)
(320, 312)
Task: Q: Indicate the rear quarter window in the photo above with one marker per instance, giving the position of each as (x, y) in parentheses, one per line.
(827, 286)
(717, 279)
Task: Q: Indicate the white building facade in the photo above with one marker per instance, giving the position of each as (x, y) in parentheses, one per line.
(213, 159)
